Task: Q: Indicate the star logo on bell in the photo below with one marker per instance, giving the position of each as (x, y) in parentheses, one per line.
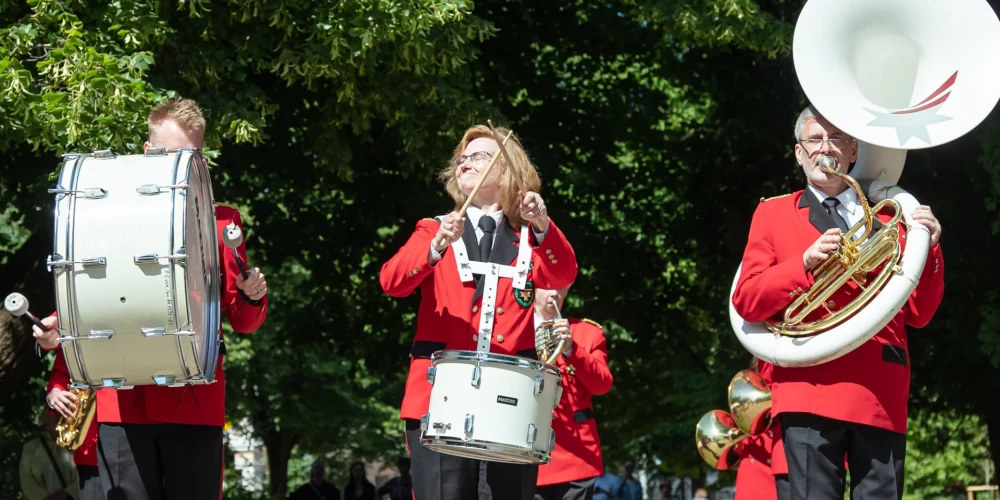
(912, 122)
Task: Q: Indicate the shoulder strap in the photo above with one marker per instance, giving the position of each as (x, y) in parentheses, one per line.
(55, 465)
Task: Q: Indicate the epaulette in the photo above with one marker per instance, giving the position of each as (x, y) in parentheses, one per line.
(227, 205)
(592, 322)
(428, 219)
(762, 199)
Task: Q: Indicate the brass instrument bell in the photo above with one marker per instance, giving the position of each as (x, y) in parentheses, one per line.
(547, 346)
(718, 432)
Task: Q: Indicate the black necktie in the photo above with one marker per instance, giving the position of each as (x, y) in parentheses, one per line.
(488, 225)
(831, 208)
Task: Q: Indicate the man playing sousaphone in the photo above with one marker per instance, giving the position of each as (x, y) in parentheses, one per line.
(855, 404)
(577, 461)
(450, 313)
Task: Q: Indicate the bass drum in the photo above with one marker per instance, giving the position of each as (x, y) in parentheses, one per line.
(136, 267)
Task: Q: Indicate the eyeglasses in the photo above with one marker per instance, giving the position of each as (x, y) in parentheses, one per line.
(813, 144)
(477, 159)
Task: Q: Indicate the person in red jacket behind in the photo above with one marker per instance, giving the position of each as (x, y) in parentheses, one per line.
(762, 472)
(166, 442)
(576, 461)
(459, 312)
(60, 399)
(855, 404)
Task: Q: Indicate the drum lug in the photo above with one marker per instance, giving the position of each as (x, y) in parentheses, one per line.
(159, 331)
(552, 440)
(539, 385)
(153, 258)
(88, 193)
(424, 421)
(95, 262)
(160, 151)
(149, 189)
(104, 154)
(78, 385)
(532, 434)
(55, 261)
(431, 373)
(164, 379)
(113, 383)
(97, 335)
(469, 421)
(477, 374)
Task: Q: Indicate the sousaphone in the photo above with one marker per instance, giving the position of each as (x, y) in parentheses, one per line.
(896, 75)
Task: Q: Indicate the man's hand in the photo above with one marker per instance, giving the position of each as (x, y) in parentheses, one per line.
(48, 339)
(564, 332)
(925, 217)
(255, 286)
(821, 249)
(63, 402)
(449, 232)
(533, 210)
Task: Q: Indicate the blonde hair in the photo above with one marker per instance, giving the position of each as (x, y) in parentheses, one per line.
(184, 112)
(521, 176)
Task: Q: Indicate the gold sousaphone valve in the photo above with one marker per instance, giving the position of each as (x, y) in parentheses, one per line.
(718, 432)
(862, 251)
(548, 346)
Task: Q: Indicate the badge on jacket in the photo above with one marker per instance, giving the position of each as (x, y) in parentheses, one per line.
(525, 296)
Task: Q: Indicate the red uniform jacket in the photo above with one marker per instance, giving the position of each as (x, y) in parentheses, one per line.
(762, 457)
(869, 385)
(448, 319)
(86, 454)
(195, 404)
(585, 373)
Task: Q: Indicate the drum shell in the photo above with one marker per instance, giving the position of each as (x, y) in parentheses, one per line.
(503, 406)
(123, 296)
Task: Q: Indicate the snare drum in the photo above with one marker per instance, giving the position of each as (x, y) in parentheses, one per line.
(136, 268)
(491, 407)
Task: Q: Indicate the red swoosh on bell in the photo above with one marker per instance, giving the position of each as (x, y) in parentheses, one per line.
(945, 86)
(929, 105)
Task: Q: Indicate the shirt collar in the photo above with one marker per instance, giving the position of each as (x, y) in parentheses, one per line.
(848, 198)
(475, 213)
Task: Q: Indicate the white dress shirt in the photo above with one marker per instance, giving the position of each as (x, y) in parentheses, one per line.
(849, 207)
(475, 214)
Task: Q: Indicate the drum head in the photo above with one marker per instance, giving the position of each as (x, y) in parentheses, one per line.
(481, 450)
(203, 272)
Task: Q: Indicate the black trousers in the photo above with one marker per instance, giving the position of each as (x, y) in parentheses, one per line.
(582, 489)
(815, 448)
(782, 486)
(90, 482)
(437, 476)
(160, 461)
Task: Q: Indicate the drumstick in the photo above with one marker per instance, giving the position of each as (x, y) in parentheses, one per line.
(503, 151)
(232, 236)
(17, 305)
(482, 177)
